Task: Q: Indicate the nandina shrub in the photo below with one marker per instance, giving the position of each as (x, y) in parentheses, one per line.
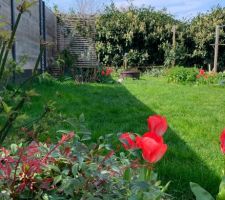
(76, 169)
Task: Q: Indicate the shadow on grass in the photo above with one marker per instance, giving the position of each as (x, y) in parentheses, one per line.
(112, 109)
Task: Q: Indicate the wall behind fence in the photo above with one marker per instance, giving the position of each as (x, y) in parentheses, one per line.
(36, 25)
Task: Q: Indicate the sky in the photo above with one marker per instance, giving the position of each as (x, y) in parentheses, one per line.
(179, 8)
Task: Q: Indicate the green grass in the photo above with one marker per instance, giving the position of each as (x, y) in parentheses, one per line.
(195, 116)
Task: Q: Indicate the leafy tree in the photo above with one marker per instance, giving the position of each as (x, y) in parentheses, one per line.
(202, 31)
(137, 33)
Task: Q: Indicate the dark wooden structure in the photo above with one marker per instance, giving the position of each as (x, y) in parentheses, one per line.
(131, 74)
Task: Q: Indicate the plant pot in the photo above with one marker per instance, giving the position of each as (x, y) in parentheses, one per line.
(131, 74)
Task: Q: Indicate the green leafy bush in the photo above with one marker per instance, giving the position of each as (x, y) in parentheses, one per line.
(181, 74)
(155, 72)
(135, 32)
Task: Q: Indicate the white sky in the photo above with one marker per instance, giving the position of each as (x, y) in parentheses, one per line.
(179, 8)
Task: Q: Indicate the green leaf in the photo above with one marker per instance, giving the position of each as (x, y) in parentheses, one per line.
(32, 93)
(165, 188)
(200, 193)
(82, 118)
(6, 108)
(75, 169)
(57, 179)
(127, 174)
(14, 148)
(86, 138)
(221, 194)
(54, 168)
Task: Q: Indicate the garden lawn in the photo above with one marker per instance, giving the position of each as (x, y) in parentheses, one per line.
(195, 116)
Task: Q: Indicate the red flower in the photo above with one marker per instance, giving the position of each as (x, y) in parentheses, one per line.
(152, 151)
(222, 141)
(151, 143)
(157, 124)
(103, 73)
(154, 136)
(127, 141)
(201, 71)
(108, 71)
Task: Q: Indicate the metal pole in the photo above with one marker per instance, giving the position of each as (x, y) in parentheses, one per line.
(216, 49)
(12, 27)
(44, 36)
(41, 31)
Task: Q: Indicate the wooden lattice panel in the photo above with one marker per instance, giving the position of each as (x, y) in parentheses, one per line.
(77, 34)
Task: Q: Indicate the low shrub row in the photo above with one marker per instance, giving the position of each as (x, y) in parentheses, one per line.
(180, 74)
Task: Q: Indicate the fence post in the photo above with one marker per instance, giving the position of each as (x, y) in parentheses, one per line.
(44, 35)
(216, 49)
(14, 44)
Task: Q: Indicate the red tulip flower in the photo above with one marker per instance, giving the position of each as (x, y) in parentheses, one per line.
(151, 143)
(222, 141)
(202, 72)
(127, 141)
(153, 136)
(157, 124)
(103, 73)
(108, 71)
(152, 150)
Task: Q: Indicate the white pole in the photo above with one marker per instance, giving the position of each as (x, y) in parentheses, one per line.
(216, 49)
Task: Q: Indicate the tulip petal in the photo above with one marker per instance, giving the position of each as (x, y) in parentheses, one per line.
(222, 142)
(157, 124)
(152, 151)
(127, 141)
(156, 137)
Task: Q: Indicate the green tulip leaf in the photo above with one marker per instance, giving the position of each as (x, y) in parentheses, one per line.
(200, 193)
(221, 194)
